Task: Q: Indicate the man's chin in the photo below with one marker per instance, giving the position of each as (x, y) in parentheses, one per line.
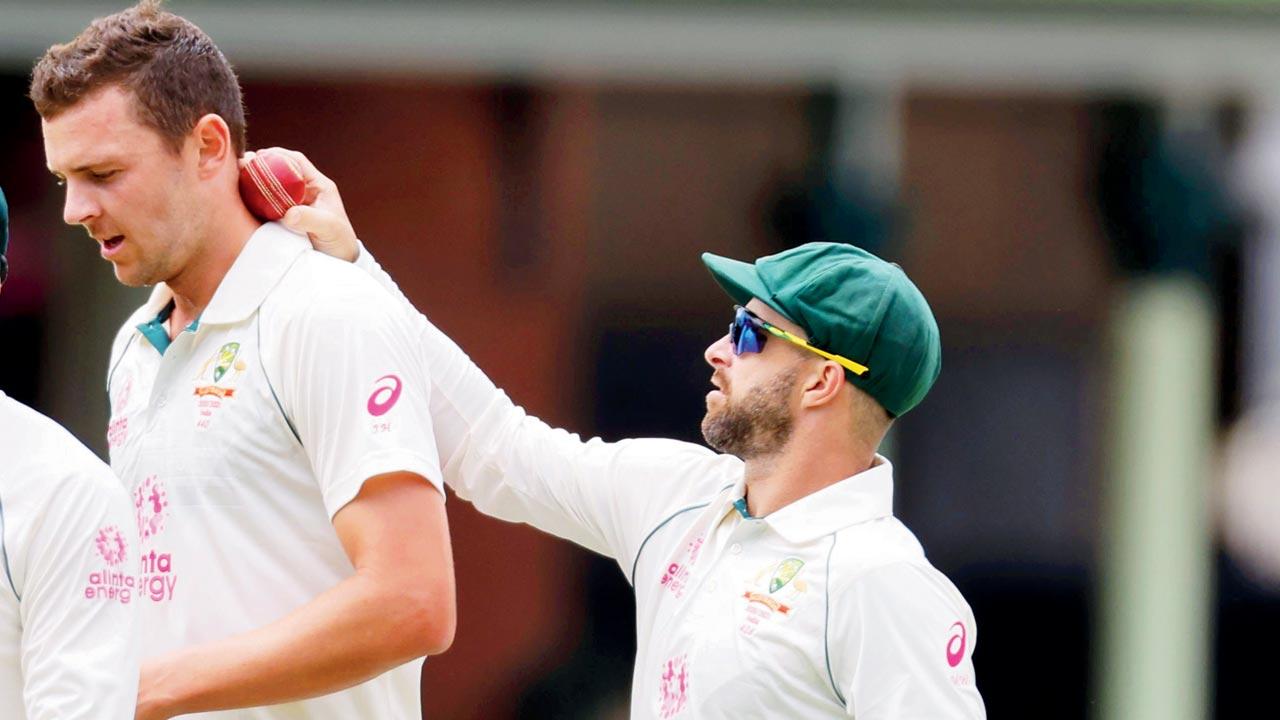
(713, 433)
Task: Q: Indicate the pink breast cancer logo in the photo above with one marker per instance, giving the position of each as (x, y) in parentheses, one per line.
(956, 644)
(386, 391)
(151, 505)
(111, 545)
(674, 690)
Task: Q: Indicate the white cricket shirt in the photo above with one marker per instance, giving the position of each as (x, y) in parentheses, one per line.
(244, 436)
(826, 608)
(68, 592)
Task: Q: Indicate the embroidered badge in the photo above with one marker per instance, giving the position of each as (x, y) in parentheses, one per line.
(216, 382)
(773, 592)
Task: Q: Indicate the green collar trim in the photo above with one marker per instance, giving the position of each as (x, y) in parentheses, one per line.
(153, 330)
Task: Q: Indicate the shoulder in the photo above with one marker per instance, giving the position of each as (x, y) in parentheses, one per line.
(878, 550)
(46, 459)
(318, 287)
(881, 562)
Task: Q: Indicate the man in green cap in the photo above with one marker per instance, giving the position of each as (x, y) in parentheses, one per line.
(771, 578)
(68, 551)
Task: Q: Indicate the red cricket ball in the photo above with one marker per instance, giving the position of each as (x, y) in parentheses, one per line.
(270, 184)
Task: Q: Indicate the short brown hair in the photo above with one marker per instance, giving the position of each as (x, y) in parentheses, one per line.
(175, 72)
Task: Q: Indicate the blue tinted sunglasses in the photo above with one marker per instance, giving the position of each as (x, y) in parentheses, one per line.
(749, 332)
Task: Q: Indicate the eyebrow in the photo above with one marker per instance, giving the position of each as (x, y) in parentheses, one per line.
(87, 166)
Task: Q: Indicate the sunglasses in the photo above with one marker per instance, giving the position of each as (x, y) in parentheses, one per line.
(749, 332)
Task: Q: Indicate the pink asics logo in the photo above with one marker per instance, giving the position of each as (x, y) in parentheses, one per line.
(386, 391)
(111, 545)
(955, 646)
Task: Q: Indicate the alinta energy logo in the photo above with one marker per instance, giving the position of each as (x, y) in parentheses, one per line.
(673, 690)
(118, 427)
(111, 545)
(156, 578)
(111, 582)
(151, 505)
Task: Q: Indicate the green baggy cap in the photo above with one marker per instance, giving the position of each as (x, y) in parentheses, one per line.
(850, 303)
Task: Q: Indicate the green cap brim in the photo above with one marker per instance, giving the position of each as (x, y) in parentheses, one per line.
(741, 281)
(737, 278)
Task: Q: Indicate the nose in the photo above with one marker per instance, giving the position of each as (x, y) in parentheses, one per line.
(79, 207)
(719, 353)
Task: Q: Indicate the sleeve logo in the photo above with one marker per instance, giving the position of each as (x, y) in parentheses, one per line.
(111, 582)
(111, 545)
(956, 644)
(386, 391)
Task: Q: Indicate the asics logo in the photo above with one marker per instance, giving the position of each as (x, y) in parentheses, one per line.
(386, 392)
(955, 645)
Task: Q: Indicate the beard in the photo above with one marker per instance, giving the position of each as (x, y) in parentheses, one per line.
(758, 424)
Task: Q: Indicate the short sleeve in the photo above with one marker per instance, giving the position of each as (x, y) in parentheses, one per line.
(80, 649)
(355, 390)
(901, 646)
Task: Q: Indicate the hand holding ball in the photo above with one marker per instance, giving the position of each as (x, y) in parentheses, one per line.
(270, 184)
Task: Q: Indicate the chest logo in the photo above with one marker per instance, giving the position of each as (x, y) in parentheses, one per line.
(675, 577)
(151, 506)
(226, 356)
(772, 593)
(673, 691)
(785, 573)
(226, 360)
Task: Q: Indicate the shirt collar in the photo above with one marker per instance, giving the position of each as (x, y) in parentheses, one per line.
(270, 251)
(856, 499)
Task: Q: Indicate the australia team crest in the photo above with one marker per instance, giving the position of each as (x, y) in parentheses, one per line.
(216, 382)
(773, 594)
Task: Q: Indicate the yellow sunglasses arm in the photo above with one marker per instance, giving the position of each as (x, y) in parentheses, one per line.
(844, 362)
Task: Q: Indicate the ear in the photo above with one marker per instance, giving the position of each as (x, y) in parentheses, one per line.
(213, 145)
(822, 386)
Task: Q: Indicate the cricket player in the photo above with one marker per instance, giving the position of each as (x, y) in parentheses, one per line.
(68, 556)
(771, 579)
(268, 411)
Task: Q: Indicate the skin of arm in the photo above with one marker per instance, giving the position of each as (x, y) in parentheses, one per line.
(398, 605)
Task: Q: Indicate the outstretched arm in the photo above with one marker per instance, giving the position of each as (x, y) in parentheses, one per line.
(603, 496)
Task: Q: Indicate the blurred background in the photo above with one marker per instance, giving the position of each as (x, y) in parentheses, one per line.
(1084, 190)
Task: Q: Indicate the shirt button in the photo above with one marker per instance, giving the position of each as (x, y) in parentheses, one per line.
(711, 586)
(736, 548)
(160, 401)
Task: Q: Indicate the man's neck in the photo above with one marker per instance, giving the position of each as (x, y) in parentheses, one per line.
(194, 286)
(799, 470)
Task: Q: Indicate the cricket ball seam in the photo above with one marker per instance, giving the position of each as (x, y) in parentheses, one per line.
(285, 198)
(257, 173)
